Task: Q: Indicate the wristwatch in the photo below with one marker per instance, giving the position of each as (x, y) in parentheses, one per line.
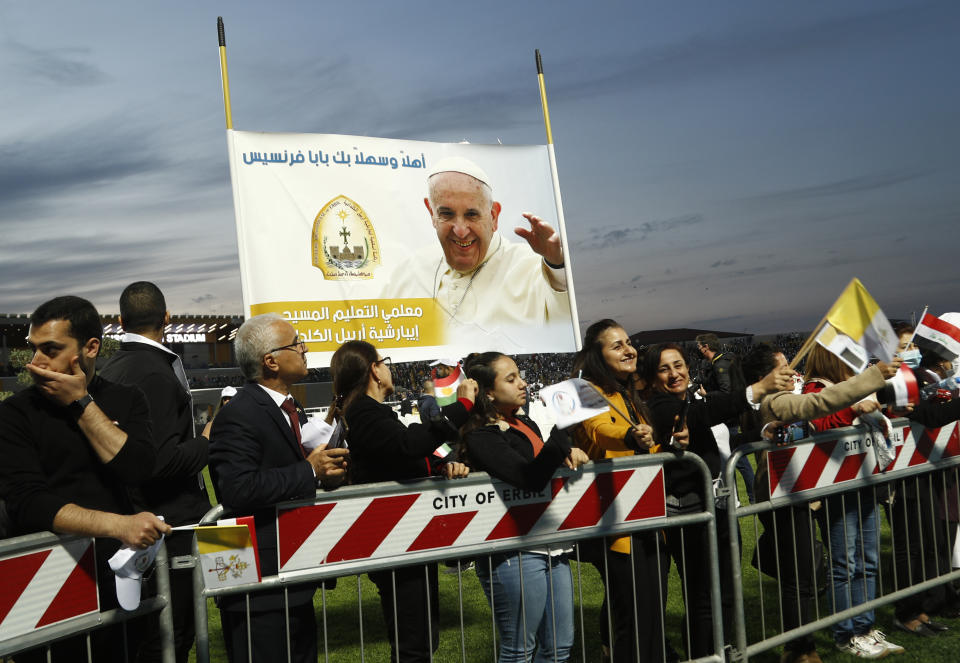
(78, 406)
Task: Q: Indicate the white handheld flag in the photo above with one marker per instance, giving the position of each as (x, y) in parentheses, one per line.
(573, 401)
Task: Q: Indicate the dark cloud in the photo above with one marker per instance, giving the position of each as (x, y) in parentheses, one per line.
(83, 157)
(99, 268)
(202, 298)
(842, 187)
(494, 110)
(778, 270)
(723, 263)
(715, 323)
(502, 101)
(706, 56)
(604, 238)
(60, 66)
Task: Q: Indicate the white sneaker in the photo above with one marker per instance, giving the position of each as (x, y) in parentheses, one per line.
(863, 646)
(881, 639)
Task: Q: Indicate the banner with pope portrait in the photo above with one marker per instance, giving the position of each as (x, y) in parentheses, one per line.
(335, 235)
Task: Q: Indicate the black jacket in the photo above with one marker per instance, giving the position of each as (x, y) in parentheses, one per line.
(175, 490)
(508, 455)
(255, 462)
(383, 449)
(933, 414)
(48, 463)
(718, 407)
(719, 374)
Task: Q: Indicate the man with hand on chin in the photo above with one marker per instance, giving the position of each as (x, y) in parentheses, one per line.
(71, 446)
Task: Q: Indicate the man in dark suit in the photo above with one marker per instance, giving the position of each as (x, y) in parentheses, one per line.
(257, 460)
(427, 405)
(723, 373)
(175, 489)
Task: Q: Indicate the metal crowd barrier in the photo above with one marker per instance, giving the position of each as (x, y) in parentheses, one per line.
(49, 593)
(364, 528)
(838, 469)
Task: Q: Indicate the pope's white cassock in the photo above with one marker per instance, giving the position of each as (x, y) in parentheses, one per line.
(512, 302)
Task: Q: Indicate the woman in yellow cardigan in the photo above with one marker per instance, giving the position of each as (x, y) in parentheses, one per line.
(632, 568)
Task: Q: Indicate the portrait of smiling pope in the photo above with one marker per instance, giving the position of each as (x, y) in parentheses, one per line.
(486, 286)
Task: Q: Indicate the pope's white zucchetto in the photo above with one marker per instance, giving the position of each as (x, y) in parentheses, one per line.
(460, 165)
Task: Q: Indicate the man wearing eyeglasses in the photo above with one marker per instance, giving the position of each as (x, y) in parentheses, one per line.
(257, 459)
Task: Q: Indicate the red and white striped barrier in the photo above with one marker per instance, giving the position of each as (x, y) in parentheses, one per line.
(848, 457)
(46, 587)
(452, 517)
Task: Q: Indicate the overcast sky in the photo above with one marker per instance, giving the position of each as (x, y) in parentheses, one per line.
(723, 165)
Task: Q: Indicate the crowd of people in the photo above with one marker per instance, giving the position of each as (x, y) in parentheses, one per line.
(105, 452)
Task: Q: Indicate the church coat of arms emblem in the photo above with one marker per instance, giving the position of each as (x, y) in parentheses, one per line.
(344, 245)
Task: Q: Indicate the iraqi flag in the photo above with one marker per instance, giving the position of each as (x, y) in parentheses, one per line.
(445, 389)
(857, 315)
(939, 337)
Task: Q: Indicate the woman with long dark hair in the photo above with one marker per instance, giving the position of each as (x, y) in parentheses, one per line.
(383, 449)
(684, 422)
(632, 569)
(530, 591)
(852, 521)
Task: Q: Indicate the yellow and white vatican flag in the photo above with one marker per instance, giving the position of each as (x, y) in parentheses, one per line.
(227, 555)
(844, 347)
(857, 315)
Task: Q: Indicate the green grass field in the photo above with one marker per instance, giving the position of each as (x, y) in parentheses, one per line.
(344, 622)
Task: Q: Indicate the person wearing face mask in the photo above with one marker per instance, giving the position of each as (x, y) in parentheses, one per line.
(910, 355)
(530, 591)
(383, 449)
(913, 522)
(632, 568)
(684, 424)
(925, 510)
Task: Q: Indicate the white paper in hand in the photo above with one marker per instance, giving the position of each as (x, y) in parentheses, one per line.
(573, 401)
(878, 436)
(314, 433)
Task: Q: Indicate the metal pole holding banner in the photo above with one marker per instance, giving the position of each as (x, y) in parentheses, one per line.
(224, 77)
(567, 268)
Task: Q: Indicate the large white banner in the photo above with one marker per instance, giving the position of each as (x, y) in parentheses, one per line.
(335, 235)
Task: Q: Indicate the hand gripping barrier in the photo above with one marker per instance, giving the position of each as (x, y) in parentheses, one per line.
(49, 593)
(840, 466)
(357, 529)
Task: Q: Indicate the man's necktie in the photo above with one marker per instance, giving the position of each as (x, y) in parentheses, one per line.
(291, 410)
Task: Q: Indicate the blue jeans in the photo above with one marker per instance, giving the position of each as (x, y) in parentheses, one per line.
(854, 551)
(534, 617)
